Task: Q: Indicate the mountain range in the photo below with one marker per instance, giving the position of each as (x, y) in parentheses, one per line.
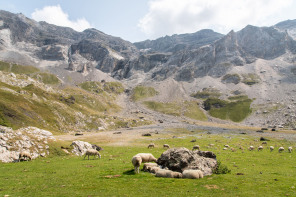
(256, 62)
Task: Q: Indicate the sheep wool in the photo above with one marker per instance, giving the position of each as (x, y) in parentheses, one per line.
(166, 146)
(196, 147)
(92, 152)
(25, 154)
(192, 174)
(147, 165)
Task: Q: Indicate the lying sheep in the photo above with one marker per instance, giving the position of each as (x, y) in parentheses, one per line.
(142, 158)
(251, 148)
(166, 146)
(196, 147)
(260, 148)
(226, 145)
(224, 148)
(192, 174)
(153, 169)
(281, 149)
(25, 154)
(168, 174)
(92, 152)
(290, 149)
(146, 165)
(271, 148)
(151, 145)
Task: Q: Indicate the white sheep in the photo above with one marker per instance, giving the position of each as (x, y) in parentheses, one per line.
(146, 165)
(166, 146)
(290, 149)
(168, 174)
(226, 145)
(92, 152)
(271, 148)
(251, 148)
(196, 147)
(142, 158)
(260, 148)
(192, 174)
(154, 169)
(25, 154)
(151, 145)
(281, 149)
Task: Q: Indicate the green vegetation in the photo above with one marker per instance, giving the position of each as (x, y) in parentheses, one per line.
(192, 110)
(231, 78)
(47, 78)
(235, 111)
(17, 69)
(142, 92)
(4, 66)
(252, 173)
(166, 108)
(238, 97)
(98, 87)
(250, 78)
(207, 93)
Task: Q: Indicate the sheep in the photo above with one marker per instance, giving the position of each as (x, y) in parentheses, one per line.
(25, 154)
(281, 149)
(92, 152)
(146, 165)
(226, 145)
(260, 148)
(142, 158)
(166, 146)
(154, 169)
(196, 147)
(251, 148)
(271, 148)
(151, 145)
(225, 148)
(264, 142)
(96, 147)
(168, 174)
(192, 174)
(290, 149)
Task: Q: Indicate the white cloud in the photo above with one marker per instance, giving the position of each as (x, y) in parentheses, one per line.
(167, 17)
(55, 15)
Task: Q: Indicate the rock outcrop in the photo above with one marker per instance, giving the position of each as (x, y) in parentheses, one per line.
(31, 139)
(180, 159)
(80, 147)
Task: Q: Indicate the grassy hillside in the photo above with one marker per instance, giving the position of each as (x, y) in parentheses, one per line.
(187, 108)
(28, 102)
(142, 92)
(253, 173)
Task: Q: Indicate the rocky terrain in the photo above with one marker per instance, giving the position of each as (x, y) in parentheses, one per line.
(255, 62)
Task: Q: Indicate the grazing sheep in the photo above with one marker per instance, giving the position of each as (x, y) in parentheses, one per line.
(271, 148)
(226, 145)
(264, 142)
(151, 145)
(142, 158)
(260, 148)
(25, 154)
(290, 149)
(146, 165)
(92, 152)
(192, 174)
(251, 148)
(166, 146)
(281, 149)
(225, 148)
(168, 174)
(196, 147)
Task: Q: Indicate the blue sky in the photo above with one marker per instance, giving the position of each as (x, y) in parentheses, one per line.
(137, 20)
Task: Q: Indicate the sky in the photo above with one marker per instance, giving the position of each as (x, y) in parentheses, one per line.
(138, 20)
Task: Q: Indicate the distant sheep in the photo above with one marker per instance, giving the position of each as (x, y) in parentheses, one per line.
(196, 147)
(264, 142)
(92, 152)
(224, 148)
(290, 149)
(226, 145)
(147, 165)
(271, 148)
(98, 148)
(281, 149)
(166, 146)
(168, 174)
(251, 148)
(151, 145)
(192, 174)
(142, 158)
(260, 148)
(25, 154)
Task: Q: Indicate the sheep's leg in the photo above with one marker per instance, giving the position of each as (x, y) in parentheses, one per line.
(84, 156)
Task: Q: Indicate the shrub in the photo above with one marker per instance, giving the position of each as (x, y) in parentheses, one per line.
(221, 169)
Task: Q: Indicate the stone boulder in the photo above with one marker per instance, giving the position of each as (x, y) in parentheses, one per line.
(80, 147)
(180, 159)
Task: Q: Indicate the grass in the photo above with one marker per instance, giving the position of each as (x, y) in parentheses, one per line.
(47, 78)
(192, 110)
(166, 108)
(207, 93)
(265, 173)
(235, 111)
(250, 78)
(142, 92)
(98, 87)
